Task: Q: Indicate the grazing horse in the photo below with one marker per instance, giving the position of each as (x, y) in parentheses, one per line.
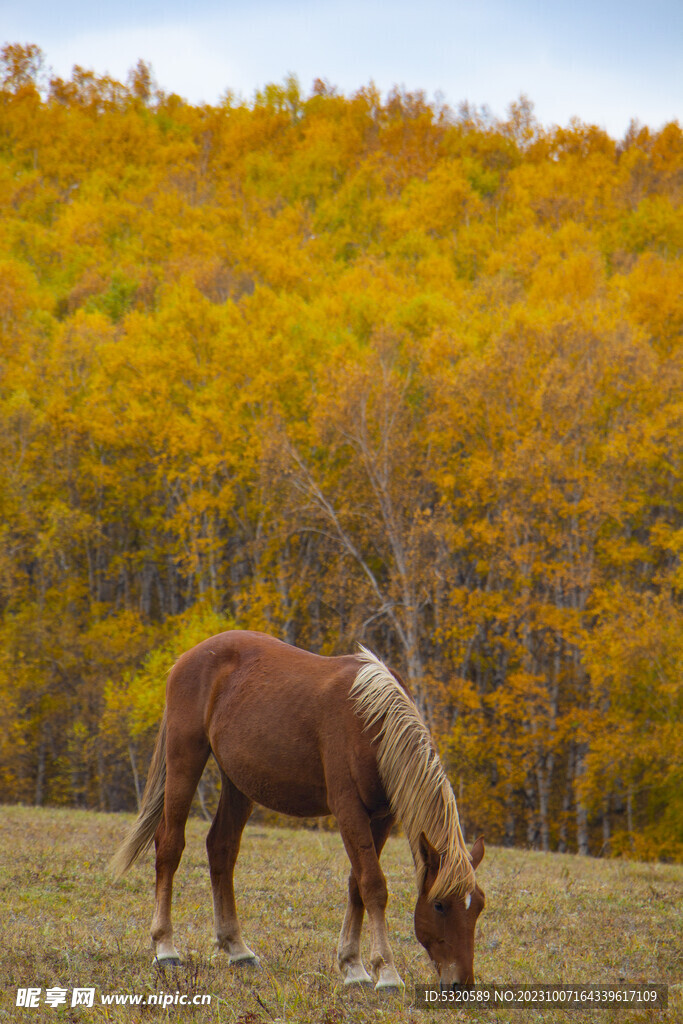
(307, 735)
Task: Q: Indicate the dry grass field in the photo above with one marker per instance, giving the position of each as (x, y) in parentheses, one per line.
(549, 919)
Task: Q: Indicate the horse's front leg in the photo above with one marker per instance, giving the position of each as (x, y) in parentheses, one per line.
(362, 841)
(348, 950)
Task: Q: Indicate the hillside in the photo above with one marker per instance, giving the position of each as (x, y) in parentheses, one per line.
(345, 368)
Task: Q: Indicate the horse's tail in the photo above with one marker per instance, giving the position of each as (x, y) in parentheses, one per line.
(142, 831)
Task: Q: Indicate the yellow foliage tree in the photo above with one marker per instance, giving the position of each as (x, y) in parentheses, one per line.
(344, 368)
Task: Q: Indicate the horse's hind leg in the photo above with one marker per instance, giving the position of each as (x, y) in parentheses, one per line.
(185, 761)
(348, 950)
(222, 845)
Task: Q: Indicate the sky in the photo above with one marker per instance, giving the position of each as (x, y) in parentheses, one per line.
(603, 61)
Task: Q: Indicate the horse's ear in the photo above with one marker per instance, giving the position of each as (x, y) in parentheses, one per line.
(477, 853)
(430, 858)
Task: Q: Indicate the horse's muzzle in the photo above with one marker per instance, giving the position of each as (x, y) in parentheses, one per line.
(454, 986)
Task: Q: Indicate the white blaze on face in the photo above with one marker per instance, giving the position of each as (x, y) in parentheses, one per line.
(468, 900)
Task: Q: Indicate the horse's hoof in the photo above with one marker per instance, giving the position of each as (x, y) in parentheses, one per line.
(244, 960)
(389, 981)
(357, 975)
(166, 961)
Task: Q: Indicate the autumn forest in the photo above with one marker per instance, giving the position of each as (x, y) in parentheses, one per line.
(345, 368)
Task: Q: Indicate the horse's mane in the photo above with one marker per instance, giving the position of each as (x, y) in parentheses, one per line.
(419, 792)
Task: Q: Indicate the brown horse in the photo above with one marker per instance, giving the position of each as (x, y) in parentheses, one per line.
(307, 735)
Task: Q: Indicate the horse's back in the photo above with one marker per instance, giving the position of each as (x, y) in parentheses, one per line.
(278, 719)
(240, 670)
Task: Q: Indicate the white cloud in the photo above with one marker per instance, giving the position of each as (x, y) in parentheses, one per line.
(182, 59)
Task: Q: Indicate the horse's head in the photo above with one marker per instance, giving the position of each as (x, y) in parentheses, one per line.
(445, 927)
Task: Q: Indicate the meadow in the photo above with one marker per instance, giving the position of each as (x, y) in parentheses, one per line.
(549, 918)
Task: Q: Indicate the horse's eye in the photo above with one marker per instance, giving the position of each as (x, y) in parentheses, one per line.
(439, 907)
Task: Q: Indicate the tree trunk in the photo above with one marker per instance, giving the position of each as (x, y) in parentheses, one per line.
(581, 812)
(566, 802)
(136, 777)
(510, 821)
(543, 778)
(40, 774)
(606, 827)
